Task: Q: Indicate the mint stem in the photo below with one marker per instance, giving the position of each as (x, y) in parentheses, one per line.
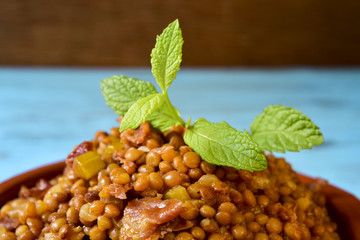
(187, 125)
(175, 115)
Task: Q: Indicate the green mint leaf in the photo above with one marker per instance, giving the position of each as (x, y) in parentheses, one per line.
(280, 129)
(163, 118)
(166, 55)
(140, 110)
(220, 144)
(121, 92)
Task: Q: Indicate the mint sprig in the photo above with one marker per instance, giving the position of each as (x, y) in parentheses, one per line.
(166, 56)
(121, 92)
(277, 129)
(165, 61)
(222, 144)
(280, 129)
(140, 111)
(163, 118)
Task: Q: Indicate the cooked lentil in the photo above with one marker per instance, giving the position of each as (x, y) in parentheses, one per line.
(156, 187)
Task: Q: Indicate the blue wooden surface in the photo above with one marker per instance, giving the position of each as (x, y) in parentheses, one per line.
(45, 112)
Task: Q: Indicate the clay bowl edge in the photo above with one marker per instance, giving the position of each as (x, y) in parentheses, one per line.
(343, 207)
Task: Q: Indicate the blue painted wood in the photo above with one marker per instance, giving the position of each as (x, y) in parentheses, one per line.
(45, 112)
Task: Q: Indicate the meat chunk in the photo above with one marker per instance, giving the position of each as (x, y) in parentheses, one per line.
(77, 151)
(143, 217)
(118, 191)
(37, 192)
(137, 136)
(285, 214)
(9, 223)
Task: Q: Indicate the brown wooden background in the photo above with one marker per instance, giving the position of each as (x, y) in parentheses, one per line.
(223, 32)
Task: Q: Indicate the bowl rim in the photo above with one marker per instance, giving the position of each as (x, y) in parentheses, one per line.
(348, 213)
(12, 185)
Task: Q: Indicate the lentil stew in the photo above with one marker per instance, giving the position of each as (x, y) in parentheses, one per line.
(153, 186)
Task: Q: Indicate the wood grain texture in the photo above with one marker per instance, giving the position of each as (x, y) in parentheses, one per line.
(228, 32)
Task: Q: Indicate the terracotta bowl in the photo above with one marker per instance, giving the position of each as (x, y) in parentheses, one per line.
(343, 207)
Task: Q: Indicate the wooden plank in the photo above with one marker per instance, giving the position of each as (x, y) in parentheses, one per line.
(228, 32)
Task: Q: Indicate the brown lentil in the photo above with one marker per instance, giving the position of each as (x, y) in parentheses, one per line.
(96, 234)
(172, 178)
(207, 211)
(104, 223)
(261, 236)
(133, 154)
(165, 167)
(152, 143)
(292, 231)
(111, 167)
(274, 225)
(198, 233)
(176, 141)
(318, 230)
(141, 160)
(191, 212)
(179, 165)
(97, 208)
(144, 165)
(195, 173)
(216, 236)
(57, 224)
(184, 236)
(114, 233)
(156, 181)
(27, 235)
(227, 207)
(237, 218)
(21, 229)
(111, 211)
(249, 197)
(142, 183)
(249, 216)
(51, 204)
(63, 207)
(8, 236)
(35, 225)
(78, 191)
(192, 159)
(153, 159)
(146, 169)
(194, 190)
(63, 231)
(239, 232)
(261, 218)
(207, 167)
(274, 236)
(223, 218)
(72, 215)
(263, 200)
(168, 154)
(209, 225)
(62, 196)
(254, 227)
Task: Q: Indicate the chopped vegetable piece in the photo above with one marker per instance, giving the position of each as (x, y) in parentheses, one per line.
(178, 192)
(116, 146)
(88, 165)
